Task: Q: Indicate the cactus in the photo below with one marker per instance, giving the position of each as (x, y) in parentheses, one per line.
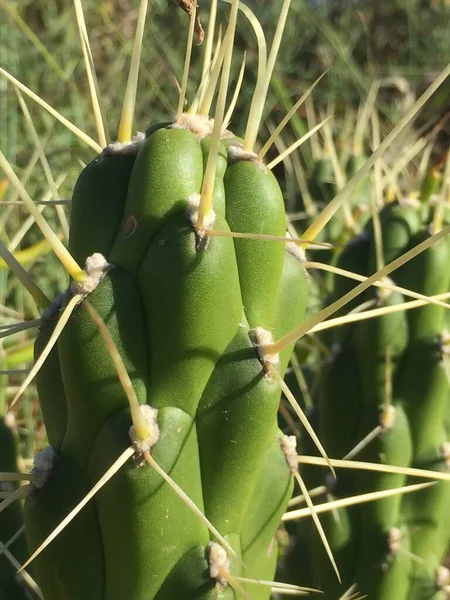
(160, 370)
(386, 379)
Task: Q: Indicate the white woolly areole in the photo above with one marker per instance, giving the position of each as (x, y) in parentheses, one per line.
(96, 267)
(192, 213)
(10, 420)
(335, 352)
(411, 200)
(261, 338)
(387, 418)
(200, 125)
(394, 538)
(442, 577)
(236, 153)
(382, 292)
(44, 464)
(151, 419)
(445, 454)
(218, 560)
(295, 250)
(445, 343)
(125, 148)
(288, 444)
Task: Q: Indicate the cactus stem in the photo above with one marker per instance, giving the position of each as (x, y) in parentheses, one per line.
(70, 126)
(126, 455)
(126, 119)
(46, 351)
(58, 247)
(288, 446)
(323, 314)
(26, 576)
(353, 501)
(91, 75)
(274, 136)
(141, 427)
(190, 504)
(296, 145)
(301, 415)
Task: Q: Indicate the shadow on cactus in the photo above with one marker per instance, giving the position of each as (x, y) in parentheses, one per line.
(160, 370)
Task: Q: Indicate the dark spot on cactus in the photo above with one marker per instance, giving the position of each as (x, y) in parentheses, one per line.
(130, 227)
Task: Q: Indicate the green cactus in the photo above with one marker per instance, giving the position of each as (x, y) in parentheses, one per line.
(387, 376)
(166, 357)
(185, 318)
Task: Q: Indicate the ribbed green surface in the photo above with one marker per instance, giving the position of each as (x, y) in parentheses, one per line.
(181, 318)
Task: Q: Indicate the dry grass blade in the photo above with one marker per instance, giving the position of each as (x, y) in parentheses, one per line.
(58, 247)
(22, 275)
(91, 75)
(70, 126)
(316, 227)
